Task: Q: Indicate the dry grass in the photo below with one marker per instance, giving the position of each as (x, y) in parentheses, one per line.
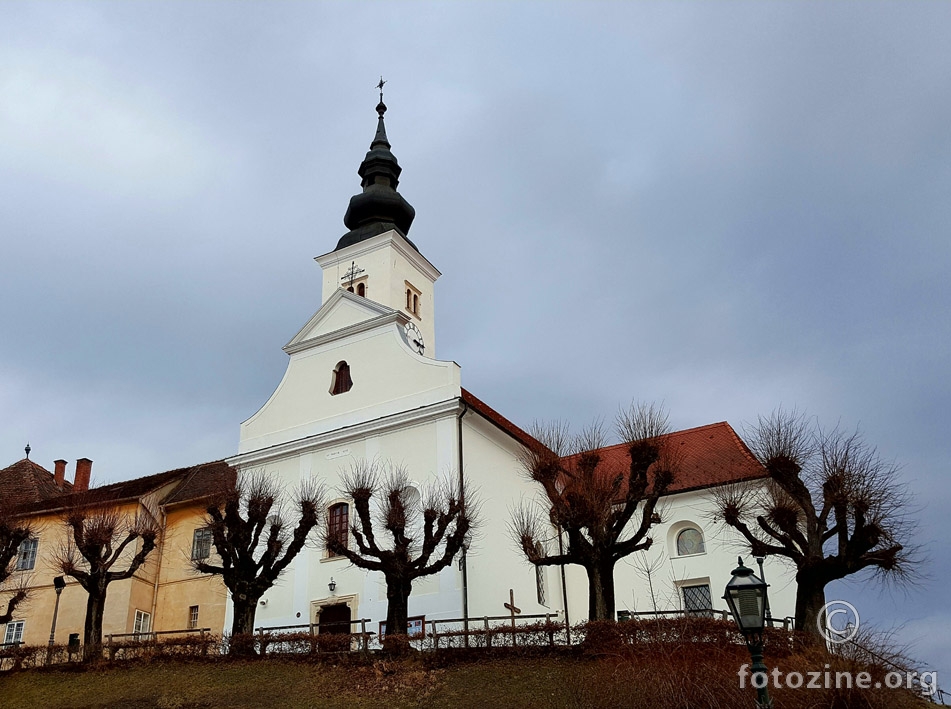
(667, 664)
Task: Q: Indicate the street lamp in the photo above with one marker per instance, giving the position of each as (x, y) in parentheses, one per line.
(746, 596)
(332, 585)
(59, 583)
(762, 575)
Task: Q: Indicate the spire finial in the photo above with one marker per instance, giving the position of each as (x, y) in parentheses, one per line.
(381, 107)
(27, 450)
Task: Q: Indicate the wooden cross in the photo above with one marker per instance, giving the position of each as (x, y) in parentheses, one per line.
(513, 609)
(352, 273)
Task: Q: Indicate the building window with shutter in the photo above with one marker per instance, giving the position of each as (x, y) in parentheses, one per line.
(342, 382)
(201, 544)
(142, 624)
(26, 554)
(192, 617)
(14, 632)
(338, 523)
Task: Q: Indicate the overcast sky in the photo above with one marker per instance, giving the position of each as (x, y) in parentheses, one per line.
(722, 206)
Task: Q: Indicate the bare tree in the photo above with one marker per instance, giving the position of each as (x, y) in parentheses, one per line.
(833, 507)
(605, 508)
(13, 532)
(254, 545)
(99, 539)
(423, 536)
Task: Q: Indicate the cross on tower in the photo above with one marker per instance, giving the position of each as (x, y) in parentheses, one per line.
(380, 87)
(352, 274)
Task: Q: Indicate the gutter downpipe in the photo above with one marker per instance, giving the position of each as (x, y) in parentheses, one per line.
(158, 567)
(564, 588)
(462, 497)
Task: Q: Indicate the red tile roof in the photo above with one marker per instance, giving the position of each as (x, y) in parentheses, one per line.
(26, 482)
(707, 456)
(195, 482)
(498, 419)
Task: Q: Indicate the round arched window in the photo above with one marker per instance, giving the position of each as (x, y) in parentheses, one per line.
(690, 541)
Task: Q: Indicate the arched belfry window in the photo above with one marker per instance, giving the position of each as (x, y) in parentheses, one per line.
(409, 300)
(690, 541)
(341, 381)
(362, 289)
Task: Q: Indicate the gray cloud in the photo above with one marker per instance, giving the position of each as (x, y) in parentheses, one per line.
(722, 206)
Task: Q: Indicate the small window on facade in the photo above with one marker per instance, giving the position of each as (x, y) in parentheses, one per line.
(14, 632)
(338, 523)
(201, 544)
(26, 554)
(415, 304)
(540, 589)
(342, 382)
(690, 541)
(362, 289)
(409, 299)
(192, 617)
(697, 600)
(143, 622)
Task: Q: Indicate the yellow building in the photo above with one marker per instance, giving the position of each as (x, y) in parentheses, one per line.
(164, 594)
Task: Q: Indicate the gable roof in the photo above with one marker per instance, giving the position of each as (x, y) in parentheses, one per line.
(194, 483)
(27, 482)
(487, 412)
(707, 456)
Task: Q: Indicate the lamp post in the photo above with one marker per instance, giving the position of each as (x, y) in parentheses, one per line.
(59, 583)
(769, 616)
(746, 596)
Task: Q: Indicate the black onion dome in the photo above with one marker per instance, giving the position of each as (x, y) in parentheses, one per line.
(379, 207)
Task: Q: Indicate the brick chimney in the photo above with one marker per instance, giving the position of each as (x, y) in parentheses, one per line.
(59, 474)
(83, 471)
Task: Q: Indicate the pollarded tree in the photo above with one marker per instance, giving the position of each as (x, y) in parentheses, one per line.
(13, 533)
(833, 507)
(101, 541)
(252, 540)
(605, 507)
(423, 534)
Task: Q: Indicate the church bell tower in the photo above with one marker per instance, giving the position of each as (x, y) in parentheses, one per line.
(376, 259)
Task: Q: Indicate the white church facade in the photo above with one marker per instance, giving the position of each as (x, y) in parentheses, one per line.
(363, 383)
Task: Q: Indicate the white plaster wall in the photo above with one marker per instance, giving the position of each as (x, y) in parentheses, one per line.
(388, 262)
(387, 376)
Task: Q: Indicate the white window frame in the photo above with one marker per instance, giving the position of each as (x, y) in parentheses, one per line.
(196, 550)
(193, 617)
(14, 632)
(26, 554)
(143, 623)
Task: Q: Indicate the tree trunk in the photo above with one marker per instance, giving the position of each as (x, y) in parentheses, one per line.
(397, 604)
(601, 590)
(242, 626)
(810, 598)
(92, 628)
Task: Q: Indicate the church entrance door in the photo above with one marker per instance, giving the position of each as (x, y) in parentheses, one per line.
(334, 619)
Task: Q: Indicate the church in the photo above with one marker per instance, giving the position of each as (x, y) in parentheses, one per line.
(364, 383)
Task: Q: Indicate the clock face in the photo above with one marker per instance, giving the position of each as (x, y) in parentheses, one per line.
(415, 338)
